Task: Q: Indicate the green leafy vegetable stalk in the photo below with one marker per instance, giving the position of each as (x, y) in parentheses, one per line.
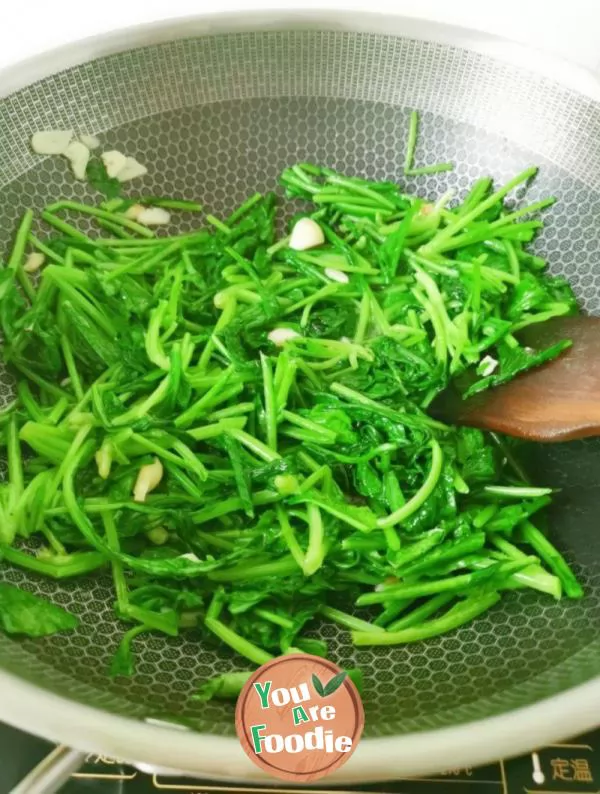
(238, 430)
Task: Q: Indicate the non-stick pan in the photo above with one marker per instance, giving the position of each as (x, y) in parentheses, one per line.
(216, 107)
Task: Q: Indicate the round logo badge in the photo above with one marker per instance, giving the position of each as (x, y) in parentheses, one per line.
(299, 717)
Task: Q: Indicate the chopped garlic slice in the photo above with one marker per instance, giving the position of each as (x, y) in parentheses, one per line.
(336, 275)
(90, 141)
(153, 216)
(103, 459)
(78, 155)
(34, 262)
(189, 556)
(133, 212)
(51, 141)
(487, 366)
(148, 479)
(114, 162)
(279, 336)
(306, 234)
(131, 170)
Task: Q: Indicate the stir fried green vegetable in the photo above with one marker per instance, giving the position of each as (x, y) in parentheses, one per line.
(238, 429)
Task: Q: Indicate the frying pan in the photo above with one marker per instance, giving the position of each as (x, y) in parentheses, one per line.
(215, 107)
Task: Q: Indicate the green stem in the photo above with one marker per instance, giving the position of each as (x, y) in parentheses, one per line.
(414, 551)
(112, 217)
(315, 553)
(58, 567)
(455, 584)
(239, 644)
(67, 228)
(424, 492)
(422, 612)
(254, 445)
(411, 144)
(230, 505)
(270, 402)
(71, 366)
(437, 168)
(15, 260)
(443, 554)
(15, 462)
(460, 614)
(553, 559)
(348, 621)
(289, 536)
(285, 566)
(206, 402)
(112, 538)
(517, 492)
(141, 409)
(273, 617)
(449, 231)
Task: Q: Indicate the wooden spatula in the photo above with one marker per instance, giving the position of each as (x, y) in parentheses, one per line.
(557, 401)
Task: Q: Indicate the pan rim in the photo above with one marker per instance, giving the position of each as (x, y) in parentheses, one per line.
(31, 70)
(164, 749)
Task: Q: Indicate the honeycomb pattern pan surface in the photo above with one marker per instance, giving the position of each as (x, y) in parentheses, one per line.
(217, 118)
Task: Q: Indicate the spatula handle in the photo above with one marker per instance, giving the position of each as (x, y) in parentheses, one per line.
(52, 772)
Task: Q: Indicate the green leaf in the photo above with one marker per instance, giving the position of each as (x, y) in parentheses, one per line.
(100, 180)
(476, 456)
(358, 517)
(367, 482)
(319, 688)
(241, 473)
(222, 687)
(393, 246)
(22, 612)
(513, 361)
(334, 684)
(123, 662)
